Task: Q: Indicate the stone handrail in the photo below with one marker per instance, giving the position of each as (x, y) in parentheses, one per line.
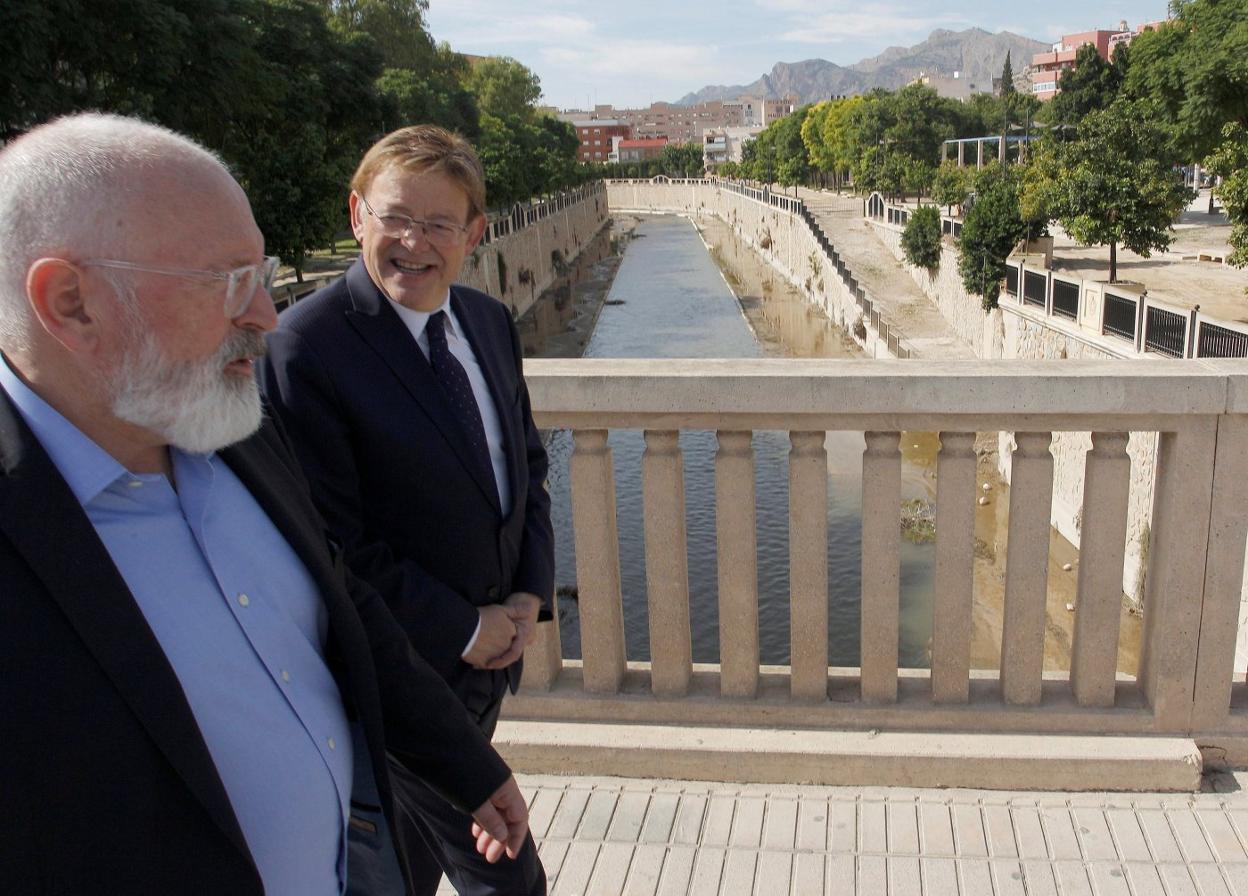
(1185, 683)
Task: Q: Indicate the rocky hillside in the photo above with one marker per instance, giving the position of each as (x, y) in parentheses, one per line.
(975, 53)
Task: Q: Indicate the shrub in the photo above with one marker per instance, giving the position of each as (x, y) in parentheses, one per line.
(920, 241)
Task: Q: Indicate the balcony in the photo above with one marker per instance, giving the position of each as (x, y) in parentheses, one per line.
(1187, 687)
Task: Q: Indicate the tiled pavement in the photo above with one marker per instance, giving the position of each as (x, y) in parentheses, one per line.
(608, 836)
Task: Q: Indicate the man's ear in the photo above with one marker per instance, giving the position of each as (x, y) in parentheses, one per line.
(357, 216)
(476, 230)
(54, 288)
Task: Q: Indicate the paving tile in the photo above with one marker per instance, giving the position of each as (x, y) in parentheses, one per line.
(1029, 833)
(872, 875)
(568, 816)
(872, 827)
(630, 814)
(1239, 817)
(1007, 880)
(1177, 880)
(738, 876)
(1108, 879)
(774, 873)
(718, 826)
(780, 828)
(968, 830)
(842, 875)
(1132, 845)
(689, 815)
(1059, 831)
(1072, 879)
(576, 870)
(645, 870)
(808, 873)
(747, 826)
(596, 818)
(936, 829)
(542, 811)
(903, 875)
(1191, 838)
(1094, 836)
(903, 828)
(1040, 878)
(708, 868)
(1000, 832)
(1145, 879)
(843, 826)
(1209, 880)
(1237, 875)
(975, 877)
(940, 877)
(1160, 838)
(611, 868)
(1221, 835)
(552, 854)
(660, 815)
(812, 824)
(677, 869)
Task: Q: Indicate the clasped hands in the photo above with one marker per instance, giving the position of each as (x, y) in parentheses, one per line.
(506, 630)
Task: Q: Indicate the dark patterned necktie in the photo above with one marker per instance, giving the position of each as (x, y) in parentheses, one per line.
(458, 391)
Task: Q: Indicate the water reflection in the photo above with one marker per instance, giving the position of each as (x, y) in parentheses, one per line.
(669, 300)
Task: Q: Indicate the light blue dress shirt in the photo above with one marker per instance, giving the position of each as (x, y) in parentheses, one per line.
(243, 626)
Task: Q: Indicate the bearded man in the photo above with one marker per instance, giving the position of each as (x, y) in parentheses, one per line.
(186, 665)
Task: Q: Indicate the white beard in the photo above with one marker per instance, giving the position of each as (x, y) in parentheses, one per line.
(193, 405)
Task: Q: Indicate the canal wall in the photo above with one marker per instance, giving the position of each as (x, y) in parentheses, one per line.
(526, 250)
(771, 224)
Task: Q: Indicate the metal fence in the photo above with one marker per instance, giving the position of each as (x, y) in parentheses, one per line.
(1165, 332)
(1119, 318)
(1213, 341)
(1065, 298)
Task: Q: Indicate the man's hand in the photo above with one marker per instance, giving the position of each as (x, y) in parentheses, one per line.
(522, 609)
(498, 633)
(501, 822)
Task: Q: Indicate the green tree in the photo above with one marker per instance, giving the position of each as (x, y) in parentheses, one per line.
(920, 241)
(1230, 162)
(681, 160)
(433, 94)
(917, 176)
(952, 184)
(991, 229)
(1114, 183)
(1007, 77)
(1091, 85)
(396, 26)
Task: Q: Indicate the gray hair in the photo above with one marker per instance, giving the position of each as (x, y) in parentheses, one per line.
(60, 184)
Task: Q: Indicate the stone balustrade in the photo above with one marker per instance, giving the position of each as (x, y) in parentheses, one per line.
(1186, 683)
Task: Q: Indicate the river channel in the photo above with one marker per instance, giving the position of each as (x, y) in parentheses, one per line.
(681, 291)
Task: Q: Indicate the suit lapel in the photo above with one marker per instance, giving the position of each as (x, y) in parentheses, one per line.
(381, 328)
(46, 525)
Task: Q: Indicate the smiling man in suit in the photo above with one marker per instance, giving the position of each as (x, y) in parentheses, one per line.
(405, 398)
(186, 664)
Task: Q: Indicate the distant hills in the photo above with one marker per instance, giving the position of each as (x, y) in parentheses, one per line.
(974, 52)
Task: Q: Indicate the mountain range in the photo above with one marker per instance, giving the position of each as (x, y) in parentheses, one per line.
(975, 54)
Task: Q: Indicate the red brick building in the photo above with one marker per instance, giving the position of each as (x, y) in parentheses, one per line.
(595, 135)
(640, 150)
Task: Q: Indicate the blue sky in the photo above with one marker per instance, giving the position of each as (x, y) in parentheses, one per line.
(632, 52)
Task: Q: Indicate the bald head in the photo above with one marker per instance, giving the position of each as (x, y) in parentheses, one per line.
(90, 185)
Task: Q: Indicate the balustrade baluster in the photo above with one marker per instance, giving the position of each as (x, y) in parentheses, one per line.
(667, 563)
(954, 573)
(881, 564)
(597, 561)
(738, 565)
(1027, 569)
(808, 565)
(1102, 546)
(1177, 555)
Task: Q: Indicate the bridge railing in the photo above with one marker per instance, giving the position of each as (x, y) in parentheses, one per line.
(1185, 682)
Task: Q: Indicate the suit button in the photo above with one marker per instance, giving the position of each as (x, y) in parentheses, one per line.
(492, 592)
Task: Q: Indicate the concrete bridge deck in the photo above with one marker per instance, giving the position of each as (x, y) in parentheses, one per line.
(608, 836)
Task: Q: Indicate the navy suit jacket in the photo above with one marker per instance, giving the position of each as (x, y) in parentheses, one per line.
(106, 782)
(391, 472)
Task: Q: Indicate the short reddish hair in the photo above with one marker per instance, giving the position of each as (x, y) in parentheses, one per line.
(426, 147)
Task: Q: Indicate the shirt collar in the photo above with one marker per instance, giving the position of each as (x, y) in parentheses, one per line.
(416, 320)
(86, 467)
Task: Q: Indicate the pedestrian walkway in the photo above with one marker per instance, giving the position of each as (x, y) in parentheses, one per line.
(609, 836)
(907, 310)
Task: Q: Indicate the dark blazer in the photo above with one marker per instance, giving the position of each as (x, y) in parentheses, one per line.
(106, 782)
(389, 471)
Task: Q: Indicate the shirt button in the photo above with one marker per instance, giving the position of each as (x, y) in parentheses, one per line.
(243, 600)
(135, 483)
(285, 675)
(332, 745)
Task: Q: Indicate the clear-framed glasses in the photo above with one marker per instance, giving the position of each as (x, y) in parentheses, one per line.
(397, 227)
(240, 283)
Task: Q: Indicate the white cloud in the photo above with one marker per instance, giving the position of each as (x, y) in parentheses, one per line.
(867, 22)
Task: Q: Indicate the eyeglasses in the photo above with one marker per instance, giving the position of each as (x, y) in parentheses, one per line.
(240, 283)
(397, 227)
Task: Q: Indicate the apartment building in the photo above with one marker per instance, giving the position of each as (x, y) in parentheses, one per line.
(595, 135)
(1047, 67)
(641, 149)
